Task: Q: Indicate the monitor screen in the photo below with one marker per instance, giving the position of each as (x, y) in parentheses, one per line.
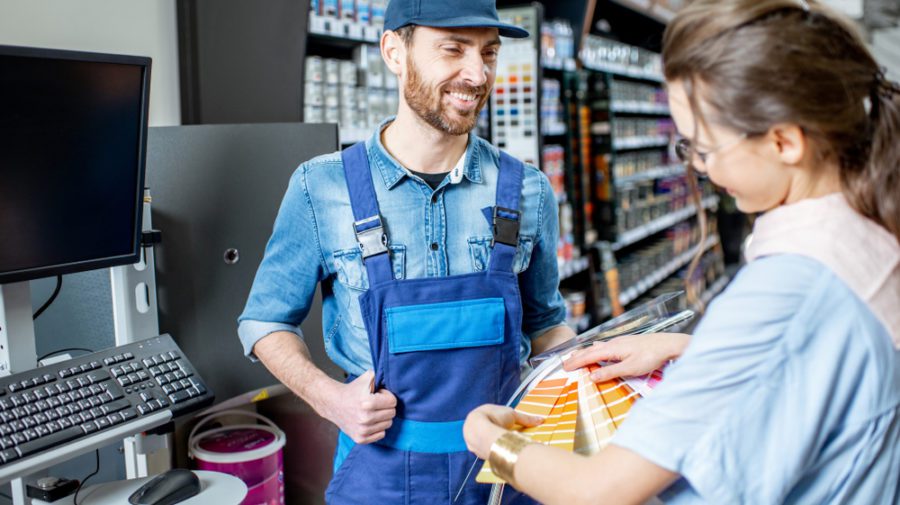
(72, 150)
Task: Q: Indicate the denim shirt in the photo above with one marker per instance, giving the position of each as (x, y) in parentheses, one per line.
(431, 234)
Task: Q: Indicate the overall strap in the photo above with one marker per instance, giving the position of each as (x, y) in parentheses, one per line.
(507, 217)
(367, 225)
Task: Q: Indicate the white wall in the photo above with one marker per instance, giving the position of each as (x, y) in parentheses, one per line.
(137, 27)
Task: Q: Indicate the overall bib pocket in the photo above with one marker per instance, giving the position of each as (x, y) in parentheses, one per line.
(480, 253)
(446, 325)
(353, 280)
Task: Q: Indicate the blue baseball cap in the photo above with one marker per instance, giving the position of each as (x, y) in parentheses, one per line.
(448, 14)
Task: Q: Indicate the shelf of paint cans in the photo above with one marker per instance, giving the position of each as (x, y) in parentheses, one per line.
(658, 172)
(640, 108)
(640, 142)
(645, 284)
(616, 58)
(572, 267)
(356, 94)
(349, 20)
(641, 232)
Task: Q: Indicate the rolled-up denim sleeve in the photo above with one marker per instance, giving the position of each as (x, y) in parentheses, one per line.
(543, 306)
(291, 268)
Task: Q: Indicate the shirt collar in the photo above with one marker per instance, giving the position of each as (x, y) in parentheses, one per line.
(392, 172)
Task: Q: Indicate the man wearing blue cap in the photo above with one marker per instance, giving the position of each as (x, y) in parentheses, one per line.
(436, 254)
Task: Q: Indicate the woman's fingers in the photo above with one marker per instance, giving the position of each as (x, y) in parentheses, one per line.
(600, 351)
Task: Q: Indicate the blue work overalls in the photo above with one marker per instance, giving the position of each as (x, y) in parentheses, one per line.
(442, 346)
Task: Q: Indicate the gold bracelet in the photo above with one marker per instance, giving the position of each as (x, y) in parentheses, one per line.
(504, 454)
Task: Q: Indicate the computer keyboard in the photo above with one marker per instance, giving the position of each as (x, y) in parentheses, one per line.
(87, 396)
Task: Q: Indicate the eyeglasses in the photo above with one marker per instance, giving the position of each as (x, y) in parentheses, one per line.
(686, 151)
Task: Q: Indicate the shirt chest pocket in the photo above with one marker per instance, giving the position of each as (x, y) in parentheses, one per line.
(352, 279)
(480, 253)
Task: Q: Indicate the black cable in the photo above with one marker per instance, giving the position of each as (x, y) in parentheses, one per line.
(52, 297)
(64, 350)
(96, 470)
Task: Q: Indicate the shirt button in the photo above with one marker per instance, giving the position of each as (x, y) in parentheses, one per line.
(434, 246)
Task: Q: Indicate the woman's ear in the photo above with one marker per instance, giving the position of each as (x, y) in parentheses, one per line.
(789, 141)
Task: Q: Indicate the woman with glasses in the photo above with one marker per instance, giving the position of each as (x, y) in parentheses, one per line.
(789, 390)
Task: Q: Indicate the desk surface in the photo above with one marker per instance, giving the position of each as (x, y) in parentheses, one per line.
(215, 487)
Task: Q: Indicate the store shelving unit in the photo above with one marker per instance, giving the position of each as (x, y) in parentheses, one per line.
(227, 45)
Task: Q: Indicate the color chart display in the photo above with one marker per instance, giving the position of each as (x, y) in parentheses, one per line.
(515, 110)
(578, 414)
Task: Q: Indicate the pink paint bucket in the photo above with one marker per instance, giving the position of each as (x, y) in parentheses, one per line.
(250, 452)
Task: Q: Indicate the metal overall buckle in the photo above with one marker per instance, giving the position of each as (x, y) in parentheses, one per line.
(506, 226)
(372, 239)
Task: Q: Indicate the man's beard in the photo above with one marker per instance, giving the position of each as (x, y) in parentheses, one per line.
(431, 108)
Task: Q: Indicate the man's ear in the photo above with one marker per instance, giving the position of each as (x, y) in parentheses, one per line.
(789, 141)
(393, 52)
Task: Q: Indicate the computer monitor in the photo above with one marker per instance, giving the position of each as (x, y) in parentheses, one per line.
(73, 135)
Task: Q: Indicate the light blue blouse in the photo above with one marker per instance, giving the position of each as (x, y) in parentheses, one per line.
(789, 392)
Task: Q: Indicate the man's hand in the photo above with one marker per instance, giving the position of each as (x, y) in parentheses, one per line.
(632, 355)
(361, 414)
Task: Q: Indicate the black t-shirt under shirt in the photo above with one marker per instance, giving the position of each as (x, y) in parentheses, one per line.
(433, 180)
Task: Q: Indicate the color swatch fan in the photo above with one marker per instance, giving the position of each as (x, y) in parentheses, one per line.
(579, 415)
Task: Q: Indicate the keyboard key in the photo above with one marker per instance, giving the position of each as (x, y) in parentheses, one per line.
(103, 422)
(48, 378)
(42, 405)
(88, 427)
(128, 355)
(6, 443)
(9, 455)
(74, 370)
(143, 409)
(14, 387)
(97, 412)
(96, 390)
(128, 414)
(114, 419)
(64, 373)
(95, 365)
(85, 367)
(18, 438)
(29, 422)
(98, 376)
(31, 409)
(41, 418)
(36, 381)
(54, 426)
(179, 397)
(30, 434)
(51, 415)
(41, 393)
(108, 361)
(25, 384)
(148, 362)
(173, 355)
(64, 423)
(60, 437)
(29, 398)
(42, 431)
(115, 406)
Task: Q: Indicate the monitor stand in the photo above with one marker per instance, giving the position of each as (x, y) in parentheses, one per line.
(17, 348)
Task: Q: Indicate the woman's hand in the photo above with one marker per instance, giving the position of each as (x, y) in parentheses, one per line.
(485, 424)
(632, 355)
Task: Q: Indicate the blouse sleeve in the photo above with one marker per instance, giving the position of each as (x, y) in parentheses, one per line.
(710, 409)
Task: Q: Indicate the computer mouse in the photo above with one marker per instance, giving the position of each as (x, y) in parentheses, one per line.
(167, 488)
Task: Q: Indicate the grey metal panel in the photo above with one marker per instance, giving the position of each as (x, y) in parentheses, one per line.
(216, 187)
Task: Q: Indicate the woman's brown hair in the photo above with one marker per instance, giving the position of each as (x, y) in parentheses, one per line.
(757, 63)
